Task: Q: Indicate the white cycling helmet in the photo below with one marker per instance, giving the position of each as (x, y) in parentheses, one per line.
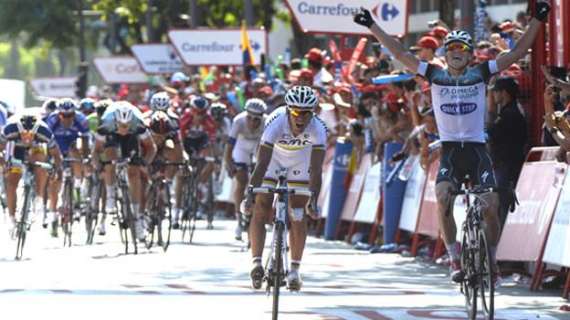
(124, 112)
(301, 97)
(160, 101)
(459, 36)
(255, 106)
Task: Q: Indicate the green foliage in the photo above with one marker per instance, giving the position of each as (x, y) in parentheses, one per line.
(52, 20)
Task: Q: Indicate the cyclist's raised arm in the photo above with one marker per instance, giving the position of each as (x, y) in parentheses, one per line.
(526, 41)
(365, 19)
(263, 158)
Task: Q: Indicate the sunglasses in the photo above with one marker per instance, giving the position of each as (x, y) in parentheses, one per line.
(458, 46)
(253, 117)
(300, 113)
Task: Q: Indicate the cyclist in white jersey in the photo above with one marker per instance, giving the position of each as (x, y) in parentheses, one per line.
(293, 139)
(458, 95)
(244, 136)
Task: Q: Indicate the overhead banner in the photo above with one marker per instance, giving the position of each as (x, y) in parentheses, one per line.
(216, 47)
(336, 16)
(157, 58)
(120, 69)
(63, 87)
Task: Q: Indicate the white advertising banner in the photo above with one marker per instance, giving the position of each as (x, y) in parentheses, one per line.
(366, 211)
(413, 197)
(558, 244)
(336, 16)
(216, 47)
(157, 58)
(63, 87)
(13, 94)
(120, 69)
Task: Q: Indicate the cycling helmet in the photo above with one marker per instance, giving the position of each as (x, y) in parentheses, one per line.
(28, 122)
(160, 123)
(199, 103)
(301, 97)
(178, 77)
(87, 105)
(123, 112)
(49, 105)
(218, 110)
(459, 36)
(255, 106)
(160, 101)
(66, 105)
(101, 106)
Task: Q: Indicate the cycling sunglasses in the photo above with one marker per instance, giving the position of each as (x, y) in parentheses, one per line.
(254, 117)
(458, 46)
(296, 113)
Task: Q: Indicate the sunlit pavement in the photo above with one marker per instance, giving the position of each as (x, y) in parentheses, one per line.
(210, 280)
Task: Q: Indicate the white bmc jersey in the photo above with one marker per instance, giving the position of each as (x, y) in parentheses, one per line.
(459, 103)
(291, 152)
(245, 140)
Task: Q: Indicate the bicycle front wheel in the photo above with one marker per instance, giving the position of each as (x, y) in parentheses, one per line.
(21, 227)
(67, 212)
(277, 271)
(469, 284)
(486, 285)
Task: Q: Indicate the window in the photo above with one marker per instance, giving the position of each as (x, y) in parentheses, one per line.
(426, 5)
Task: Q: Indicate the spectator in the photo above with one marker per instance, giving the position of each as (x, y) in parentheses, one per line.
(508, 137)
(426, 48)
(315, 59)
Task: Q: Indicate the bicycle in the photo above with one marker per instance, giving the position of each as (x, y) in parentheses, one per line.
(68, 201)
(159, 207)
(475, 257)
(23, 225)
(125, 215)
(190, 198)
(276, 266)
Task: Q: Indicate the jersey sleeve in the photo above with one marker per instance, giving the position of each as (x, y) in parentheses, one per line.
(234, 131)
(320, 134)
(269, 135)
(45, 135)
(82, 124)
(427, 70)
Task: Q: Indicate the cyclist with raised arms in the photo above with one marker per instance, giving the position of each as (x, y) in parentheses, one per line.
(294, 139)
(459, 101)
(29, 135)
(123, 134)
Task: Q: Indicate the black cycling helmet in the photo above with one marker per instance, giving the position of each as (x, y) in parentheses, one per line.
(49, 105)
(101, 106)
(218, 110)
(199, 103)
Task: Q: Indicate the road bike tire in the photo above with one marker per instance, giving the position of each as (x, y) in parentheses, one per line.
(487, 288)
(152, 209)
(210, 208)
(67, 212)
(278, 273)
(91, 216)
(469, 286)
(131, 220)
(165, 219)
(21, 227)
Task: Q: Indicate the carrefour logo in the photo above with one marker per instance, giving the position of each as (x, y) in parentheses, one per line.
(458, 108)
(386, 11)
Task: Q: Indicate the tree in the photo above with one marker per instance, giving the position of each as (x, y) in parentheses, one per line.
(447, 12)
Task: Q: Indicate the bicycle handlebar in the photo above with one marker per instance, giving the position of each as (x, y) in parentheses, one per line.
(282, 191)
(39, 164)
(474, 191)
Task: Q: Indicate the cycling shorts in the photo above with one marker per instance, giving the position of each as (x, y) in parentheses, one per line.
(459, 159)
(128, 145)
(195, 145)
(297, 172)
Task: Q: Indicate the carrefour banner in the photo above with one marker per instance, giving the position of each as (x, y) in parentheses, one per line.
(216, 47)
(336, 16)
(120, 69)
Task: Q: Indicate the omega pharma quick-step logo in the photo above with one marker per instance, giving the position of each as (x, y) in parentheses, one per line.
(455, 109)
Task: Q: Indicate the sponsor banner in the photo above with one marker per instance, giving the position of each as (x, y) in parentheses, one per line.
(120, 69)
(368, 204)
(428, 221)
(336, 16)
(323, 201)
(351, 202)
(157, 58)
(216, 47)
(413, 197)
(525, 230)
(558, 244)
(13, 94)
(63, 87)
